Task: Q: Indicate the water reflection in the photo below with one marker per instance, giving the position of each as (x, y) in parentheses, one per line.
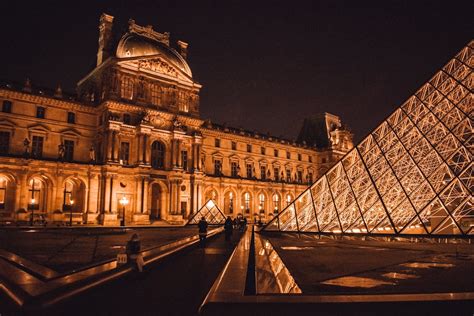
(428, 265)
(296, 248)
(400, 276)
(351, 281)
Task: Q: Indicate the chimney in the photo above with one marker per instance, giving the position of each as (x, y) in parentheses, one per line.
(183, 49)
(105, 37)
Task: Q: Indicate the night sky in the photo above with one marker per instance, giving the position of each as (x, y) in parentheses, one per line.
(263, 66)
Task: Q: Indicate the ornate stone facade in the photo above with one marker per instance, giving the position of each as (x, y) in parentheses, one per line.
(130, 146)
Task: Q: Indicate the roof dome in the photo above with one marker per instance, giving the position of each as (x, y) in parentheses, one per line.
(135, 45)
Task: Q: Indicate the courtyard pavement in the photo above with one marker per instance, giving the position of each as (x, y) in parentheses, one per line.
(327, 266)
(66, 249)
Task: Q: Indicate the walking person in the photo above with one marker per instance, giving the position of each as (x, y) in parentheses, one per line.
(133, 252)
(202, 225)
(228, 228)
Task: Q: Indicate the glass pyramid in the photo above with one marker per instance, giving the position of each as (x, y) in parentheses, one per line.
(412, 175)
(211, 212)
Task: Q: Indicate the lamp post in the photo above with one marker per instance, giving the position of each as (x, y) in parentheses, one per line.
(123, 201)
(70, 212)
(32, 211)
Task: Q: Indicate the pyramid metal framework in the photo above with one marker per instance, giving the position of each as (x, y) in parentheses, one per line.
(412, 175)
(211, 212)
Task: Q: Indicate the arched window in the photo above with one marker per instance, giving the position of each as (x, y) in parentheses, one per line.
(261, 202)
(157, 155)
(36, 198)
(246, 204)
(229, 202)
(3, 192)
(276, 203)
(288, 199)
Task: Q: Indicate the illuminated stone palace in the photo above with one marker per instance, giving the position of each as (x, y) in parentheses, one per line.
(130, 145)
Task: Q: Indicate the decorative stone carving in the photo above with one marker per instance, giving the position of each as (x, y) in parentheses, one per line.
(149, 118)
(158, 65)
(148, 31)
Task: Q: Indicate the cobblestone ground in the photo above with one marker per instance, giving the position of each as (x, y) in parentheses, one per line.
(64, 250)
(327, 266)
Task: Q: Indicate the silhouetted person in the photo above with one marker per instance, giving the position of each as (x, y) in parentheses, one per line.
(228, 228)
(133, 252)
(202, 225)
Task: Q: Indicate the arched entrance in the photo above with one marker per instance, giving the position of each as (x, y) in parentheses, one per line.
(229, 202)
(7, 196)
(74, 193)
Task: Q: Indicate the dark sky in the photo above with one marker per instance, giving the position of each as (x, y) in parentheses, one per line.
(264, 65)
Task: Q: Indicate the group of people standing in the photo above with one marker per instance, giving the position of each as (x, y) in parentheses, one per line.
(229, 226)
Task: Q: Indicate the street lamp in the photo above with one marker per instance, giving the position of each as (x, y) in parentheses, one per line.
(123, 201)
(32, 211)
(70, 212)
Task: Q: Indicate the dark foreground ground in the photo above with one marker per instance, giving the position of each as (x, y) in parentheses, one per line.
(176, 286)
(327, 266)
(64, 250)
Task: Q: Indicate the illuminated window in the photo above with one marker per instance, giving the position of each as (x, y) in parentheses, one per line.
(261, 202)
(247, 202)
(35, 194)
(276, 203)
(3, 192)
(68, 200)
(288, 199)
(229, 202)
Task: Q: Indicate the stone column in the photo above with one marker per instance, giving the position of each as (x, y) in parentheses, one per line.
(108, 191)
(178, 151)
(144, 149)
(145, 196)
(140, 149)
(173, 153)
(116, 146)
(58, 195)
(138, 190)
(148, 150)
(109, 145)
(23, 188)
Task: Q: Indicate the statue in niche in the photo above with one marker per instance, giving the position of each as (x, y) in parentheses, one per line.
(61, 151)
(92, 155)
(26, 146)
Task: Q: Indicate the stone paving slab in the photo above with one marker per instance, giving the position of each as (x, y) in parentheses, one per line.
(65, 250)
(327, 266)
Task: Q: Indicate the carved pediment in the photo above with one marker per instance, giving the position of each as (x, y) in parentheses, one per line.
(39, 128)
(157, 65)
(71, 132)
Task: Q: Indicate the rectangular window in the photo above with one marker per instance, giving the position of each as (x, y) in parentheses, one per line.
(310, 177)
(71, 117)
(4, 143)
(249, 170)
(68, 150)
(40, 112)
(234, 146)
(217, 142)
(7, 106)
(125, 153)
(184, 159)
(310, 158)
(217, 167)
(126, 90)
(263, 171)
(276, 174)
(275, 152)
(249, 148)
(155, 94)
(299, 157)
(288, 175)
(234, 169)
(262, 150)
(288, 155)
(37, 147)
(300, 176)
